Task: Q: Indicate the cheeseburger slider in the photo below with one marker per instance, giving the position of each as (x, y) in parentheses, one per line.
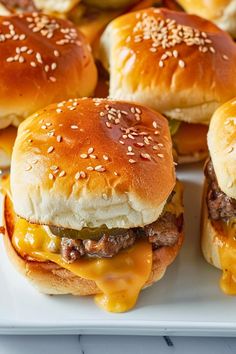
(94, 207)
(180, 65)
(219, 201)
(222, 12)
(42, 60)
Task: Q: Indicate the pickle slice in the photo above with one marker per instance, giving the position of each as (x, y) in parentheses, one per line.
(86, 233)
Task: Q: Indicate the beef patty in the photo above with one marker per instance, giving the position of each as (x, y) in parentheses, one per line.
(220, 206)
(164, 232)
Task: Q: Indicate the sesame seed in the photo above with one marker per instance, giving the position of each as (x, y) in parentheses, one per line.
(175, 53)
(140, 144)
(58, 110)
(132, 109)
(90, 150)
(53, 66)
(52, 78)
(10, 59)
(145, 156)
(77, 176)
(225, 57)
(130, 153)
(53, 168)
(230, 149)
(39, 58)
(132, 161)
(105, 157)
(161, 63)
(160, 155)
(74, 127)
(116, 173)
(56, 53)
(59, 138)
(84, 156)
(155, 125)
(108, 125)
(82, 174)
(33, 64)
(181, 63)
(44, 126)
(100, 168)
(93, 156)
(50, 149)
(51, 177)
(155, 147)
(28, 168)
(62, 174)
(90, 168)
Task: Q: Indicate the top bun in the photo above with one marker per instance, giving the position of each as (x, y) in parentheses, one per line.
(92, 162)
(222, 147)
(181, 65)
(43, 60)
(111, 4)
(61, 6)
(222, 12)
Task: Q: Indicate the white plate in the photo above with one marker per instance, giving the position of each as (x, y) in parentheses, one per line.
(187, 301)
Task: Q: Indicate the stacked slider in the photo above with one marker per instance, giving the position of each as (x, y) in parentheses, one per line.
(94, 207)
(178, 64)
(43, 60)
(219, 200)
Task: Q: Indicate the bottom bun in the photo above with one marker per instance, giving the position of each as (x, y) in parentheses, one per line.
(211, 238)
(52, 279)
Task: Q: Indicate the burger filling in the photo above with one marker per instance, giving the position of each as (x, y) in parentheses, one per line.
(163, 232)
(220, 206)
(222, 213)
(106, 243)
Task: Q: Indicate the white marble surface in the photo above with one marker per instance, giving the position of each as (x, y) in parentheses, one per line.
(115, 344)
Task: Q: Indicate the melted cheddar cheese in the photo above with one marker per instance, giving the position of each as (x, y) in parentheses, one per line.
(227, 253)
(120, 278)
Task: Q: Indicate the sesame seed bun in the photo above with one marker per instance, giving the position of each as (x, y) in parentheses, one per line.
(60, 6)
(221, 142)
(222, 12)
(50, 278)
(92, 162)
(185, 76)
(43, 60)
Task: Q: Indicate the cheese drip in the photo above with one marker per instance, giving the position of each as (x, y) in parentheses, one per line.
(227, 252)
(119, 278)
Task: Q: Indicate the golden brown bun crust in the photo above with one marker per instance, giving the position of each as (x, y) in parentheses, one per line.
(188, 87)
(210, 236)
(221, 143)
(50, 278)
(111, 4)
(39, 67)
(128, 184)
(222, 12)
